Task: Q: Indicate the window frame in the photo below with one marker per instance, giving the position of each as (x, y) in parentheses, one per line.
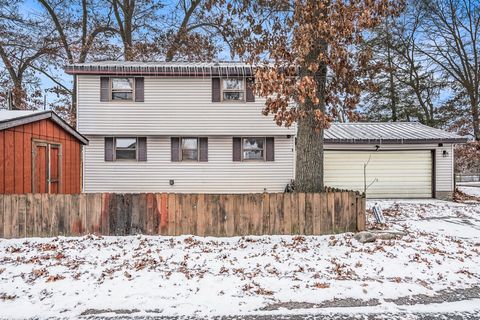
(111, 91)
(115, 149)
(180, 150)
(243, 90)
(263, 159)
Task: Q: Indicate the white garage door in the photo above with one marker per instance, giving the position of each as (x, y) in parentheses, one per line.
(392, 174)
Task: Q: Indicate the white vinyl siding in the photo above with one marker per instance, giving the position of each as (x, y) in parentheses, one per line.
(392, 174)
(444, 168)
(219, 175)
(172, 106)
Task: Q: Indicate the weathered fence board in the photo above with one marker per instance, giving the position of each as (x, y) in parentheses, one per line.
(176, 214)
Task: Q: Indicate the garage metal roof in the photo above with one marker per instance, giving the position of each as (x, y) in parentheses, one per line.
(13, 118)
(388, 133)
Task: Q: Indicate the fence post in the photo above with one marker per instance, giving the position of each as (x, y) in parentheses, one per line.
(2, 233)
(361, 212)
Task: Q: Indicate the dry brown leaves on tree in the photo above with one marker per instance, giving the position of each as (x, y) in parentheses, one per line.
(313, 52)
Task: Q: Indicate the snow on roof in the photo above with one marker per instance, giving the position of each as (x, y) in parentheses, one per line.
(388, 132)
(12, 114)
(190, 69)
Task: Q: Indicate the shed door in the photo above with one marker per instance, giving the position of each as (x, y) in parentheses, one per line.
(46, 167)
(390, 174)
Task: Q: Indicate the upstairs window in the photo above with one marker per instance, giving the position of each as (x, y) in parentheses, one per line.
(126, 148)
(253, 148)
(233, 89)
(122, 89)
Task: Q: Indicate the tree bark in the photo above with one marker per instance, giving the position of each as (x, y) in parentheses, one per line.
(391, 81)
(309, 155)
(475, 120)
(18, 94)
(309, 144)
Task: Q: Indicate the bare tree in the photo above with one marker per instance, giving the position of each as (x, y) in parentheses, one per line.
(176, 30)
(194, 30)
(79, 36)
(408, 88)
(386, 99)
(450, 35)
(415, 71)
(134, 18)
(23, 41)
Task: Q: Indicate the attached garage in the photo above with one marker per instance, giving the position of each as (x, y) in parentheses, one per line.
(403, 174)
(393, 160)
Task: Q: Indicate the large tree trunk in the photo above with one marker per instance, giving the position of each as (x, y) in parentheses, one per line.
(309, 145)
(476, 121)
(391, 81)
(309, 156)
(18, 94)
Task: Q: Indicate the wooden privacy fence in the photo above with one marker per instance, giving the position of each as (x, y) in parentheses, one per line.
(171, 214)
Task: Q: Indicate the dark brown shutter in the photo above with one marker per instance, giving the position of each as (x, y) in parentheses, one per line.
(250, 95)
(237, 149)
(109, 146)
(104, 89)
(142, 148)
(175, 149)
(203, 149)
(270, 149)
(216, 90)
(139, 90)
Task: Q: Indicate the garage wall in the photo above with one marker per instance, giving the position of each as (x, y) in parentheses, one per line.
(390, 174)
(444, 165)
(444, 172)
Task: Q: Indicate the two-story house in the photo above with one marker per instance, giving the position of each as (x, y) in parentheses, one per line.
(197, 127)
(178, 127)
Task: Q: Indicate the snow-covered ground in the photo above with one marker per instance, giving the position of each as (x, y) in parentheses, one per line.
(470, 190)
(187, 275)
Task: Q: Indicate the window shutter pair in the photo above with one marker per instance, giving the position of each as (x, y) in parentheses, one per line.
(269, 149)
(217, 94)
(175, 149)
(141, 149)
(105, 89)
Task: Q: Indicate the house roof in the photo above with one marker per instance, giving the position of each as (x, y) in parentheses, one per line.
(388, 133)
(13, 118)
(174, 69)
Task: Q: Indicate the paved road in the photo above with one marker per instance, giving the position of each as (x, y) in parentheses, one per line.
(442, 296)
(386, 316)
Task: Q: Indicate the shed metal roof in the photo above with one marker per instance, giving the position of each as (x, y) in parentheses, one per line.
(388, 133)
(13, 118)
(187, 69)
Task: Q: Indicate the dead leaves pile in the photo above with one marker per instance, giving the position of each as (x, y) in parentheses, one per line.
(306, 262)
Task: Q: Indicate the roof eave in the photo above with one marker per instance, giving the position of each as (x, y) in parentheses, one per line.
(10, 123)
(167, 71)
(396, 141)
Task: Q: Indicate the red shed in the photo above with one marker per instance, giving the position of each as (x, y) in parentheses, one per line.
(39, 153)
